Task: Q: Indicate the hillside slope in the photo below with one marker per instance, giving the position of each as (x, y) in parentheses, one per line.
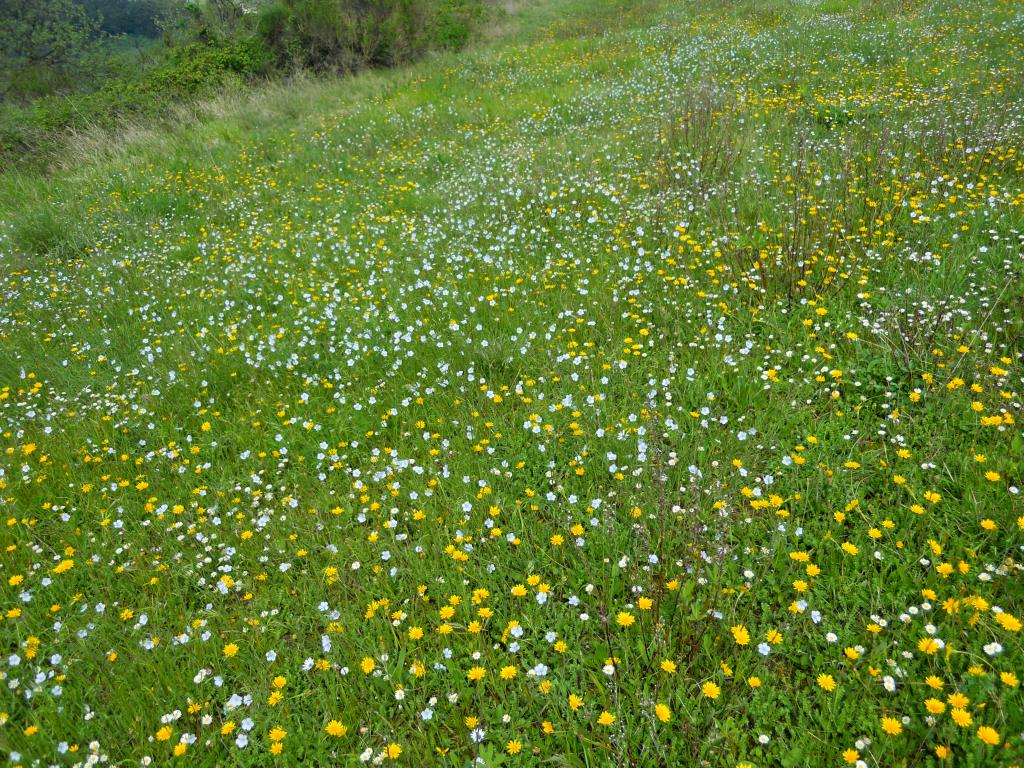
(642, 387)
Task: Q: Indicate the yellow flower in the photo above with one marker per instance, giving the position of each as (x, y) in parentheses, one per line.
(228, 727)
(476, 673)
(367, 665)
(625, 619)
(663, 713)
(164, 733)
(934, 706)
(230, 649)
(958, 700)
(605, 718)
(336, 728)
(740, 634)
(754, 682)
(507, 673)
(851, 756)
(393, 751)
(827, 682)
(277, 733)
(514, 747)
(892, 726)
(962, 717)
(575, 702)
(989, 735)
(1008, 622)
(668, 666)
(710, 690)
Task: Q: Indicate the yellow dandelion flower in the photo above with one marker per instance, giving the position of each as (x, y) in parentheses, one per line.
(740, 635)
(988, 735)
(336, 728)
(892, 726)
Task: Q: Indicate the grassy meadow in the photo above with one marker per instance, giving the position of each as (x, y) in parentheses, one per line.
(641, 386)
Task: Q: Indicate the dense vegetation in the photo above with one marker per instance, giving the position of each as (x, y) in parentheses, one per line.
(642, 387)
(69, 65)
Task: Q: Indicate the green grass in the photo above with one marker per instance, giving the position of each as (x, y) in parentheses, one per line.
(704, 322)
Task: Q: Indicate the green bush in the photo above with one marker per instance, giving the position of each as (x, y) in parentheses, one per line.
(210, 44)
(344, 35)
(189, 71)
(454, 23)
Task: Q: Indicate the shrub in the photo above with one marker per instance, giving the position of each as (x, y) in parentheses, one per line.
(454, 23)
(343, 35)
(218, 41)
(188, 72)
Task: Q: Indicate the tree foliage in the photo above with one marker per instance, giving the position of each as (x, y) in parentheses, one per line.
(130, 17)
(65, 64)
(342, 35)
(56, 33)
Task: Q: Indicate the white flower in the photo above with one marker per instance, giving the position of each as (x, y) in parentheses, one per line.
(993, 649)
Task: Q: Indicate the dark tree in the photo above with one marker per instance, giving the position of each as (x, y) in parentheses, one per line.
(50, 32)
(129, 17)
